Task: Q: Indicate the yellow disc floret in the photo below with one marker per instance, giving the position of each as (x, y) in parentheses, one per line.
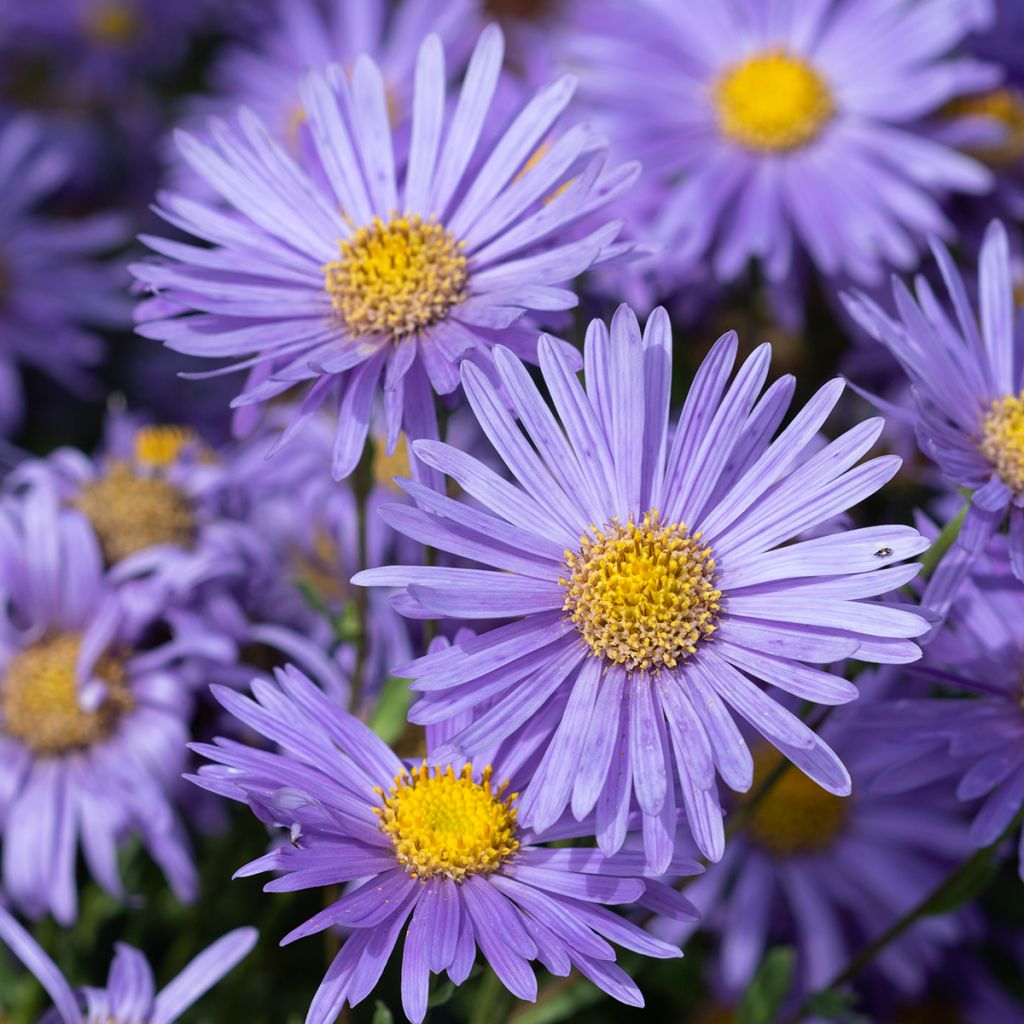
(40, 702)
(773, 102)
(161, 445)
(113, 23)
(387, 467)
(642, 595)
(131, 511)
(1002, 440)
(396, 278)
(447, 824)
(796, 815)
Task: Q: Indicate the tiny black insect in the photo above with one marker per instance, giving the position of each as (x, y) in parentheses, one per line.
(883, 552)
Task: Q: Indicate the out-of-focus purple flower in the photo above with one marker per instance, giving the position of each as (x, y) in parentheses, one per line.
(828, 874)
(311, 35)
(968, 378)
(129, 996)
(361, 275)
(434, 850)
(159, 500)
(643, 568)
(103, 46)
(322, 532)
(54, 291)
(93, 718)
(772, 133)
(978, 742)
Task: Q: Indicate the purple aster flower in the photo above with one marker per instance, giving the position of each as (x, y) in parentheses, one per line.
(53, 290)
(359, 274)
(968, 383)
(433, 849)
(644, 569)
(93, 723)
(129, 996)
(828, 874)
(102, 45)
(164, 506)
(306, 35)
(773, 134)
(979, 742)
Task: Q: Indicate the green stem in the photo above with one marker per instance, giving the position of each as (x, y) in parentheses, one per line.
(931, 558)
(491, 1003)
(935, 899)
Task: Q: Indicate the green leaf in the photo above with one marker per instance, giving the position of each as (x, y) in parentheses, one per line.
(389, 717)
(972, 883)
(769, 988)
(560, 1002)
(442, 994)
(381, 1014)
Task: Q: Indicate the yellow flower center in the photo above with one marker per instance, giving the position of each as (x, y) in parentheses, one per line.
(1005, 106)
(642, 595)
(1002, 440)
(447, 824)
(321, 568)
(40, 703)
(773, 102)
(161, 445)
(396, 278)
(131, 512)
(796, 815)
(387, 467)
(113, 23)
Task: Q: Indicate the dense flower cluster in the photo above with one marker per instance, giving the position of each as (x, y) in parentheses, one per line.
(379, 514)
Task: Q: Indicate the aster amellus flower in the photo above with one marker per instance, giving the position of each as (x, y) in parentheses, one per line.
(649, 576)
(436, 850)
(360, 273)
(978, 743)
(967, 371)
(93, 722)
(760, 117)
(305, 35)
(129, 996)
(54, 291)
(828, 874)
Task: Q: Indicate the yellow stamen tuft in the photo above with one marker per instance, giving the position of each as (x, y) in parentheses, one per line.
(642, 596)
(447, 824)
(773, 102)
(113, 23)
(131, 512)
(797, 815)
(1005, 106)
(161, 445)
(1002, 440)
(396, 278)
(39, 697)
(387, 467)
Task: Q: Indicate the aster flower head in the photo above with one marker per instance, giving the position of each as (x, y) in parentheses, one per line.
(977, 743)
(967, 371)
(771, 131)
(649, 578)
(93, 720)
(159, 500)
(306, 35)
(361, 274)
(43, 326)
(434, 849)
(827, 874)
(129, 997)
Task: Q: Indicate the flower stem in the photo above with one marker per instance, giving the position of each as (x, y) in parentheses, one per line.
(931, 903)
(491, 1003)
(931, 558)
